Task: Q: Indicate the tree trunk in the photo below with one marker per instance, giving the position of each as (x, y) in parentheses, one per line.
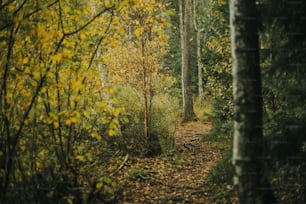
(198, 44)
(153, 143)
(145, 91)
(200, 67)
(249, 178)
(181, 15)
(189, 114)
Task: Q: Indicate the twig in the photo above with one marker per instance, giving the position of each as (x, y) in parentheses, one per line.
(121, 165)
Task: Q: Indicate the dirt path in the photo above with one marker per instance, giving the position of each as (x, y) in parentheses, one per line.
(176, 178)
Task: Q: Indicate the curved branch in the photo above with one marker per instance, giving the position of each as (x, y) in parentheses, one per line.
(90, 21)
(28, 15)
(100, 41)
(121, 165)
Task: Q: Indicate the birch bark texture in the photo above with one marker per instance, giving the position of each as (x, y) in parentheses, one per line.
(198, 30)
(249, 178)
(185, 23)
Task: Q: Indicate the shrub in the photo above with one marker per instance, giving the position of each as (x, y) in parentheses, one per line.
(164, 111)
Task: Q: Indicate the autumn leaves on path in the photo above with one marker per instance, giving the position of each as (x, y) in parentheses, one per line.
(180, 177)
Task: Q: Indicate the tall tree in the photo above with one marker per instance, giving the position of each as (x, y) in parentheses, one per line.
(249, 178)
(198, 30)
(185, 23)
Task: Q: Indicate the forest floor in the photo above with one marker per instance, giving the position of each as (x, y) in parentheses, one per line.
(180, 177)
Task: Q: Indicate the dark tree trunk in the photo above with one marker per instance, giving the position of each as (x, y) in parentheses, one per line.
(250, 180)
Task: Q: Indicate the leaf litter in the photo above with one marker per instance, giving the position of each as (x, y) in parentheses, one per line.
(180, 177)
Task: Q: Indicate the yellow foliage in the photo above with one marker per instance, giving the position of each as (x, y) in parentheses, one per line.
(49, 64)
(25, 60)
(96, 135)
(77, 85)
(80, 157)
(99, 185)
(57, 57)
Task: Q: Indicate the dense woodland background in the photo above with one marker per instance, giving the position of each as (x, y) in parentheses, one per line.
(82, 82)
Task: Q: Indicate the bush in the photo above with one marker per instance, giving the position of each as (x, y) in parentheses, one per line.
(223, 171)
(164, 113)
(289, 183)
(203, 108)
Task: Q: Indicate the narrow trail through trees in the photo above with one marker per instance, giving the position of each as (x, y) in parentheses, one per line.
(180, 177)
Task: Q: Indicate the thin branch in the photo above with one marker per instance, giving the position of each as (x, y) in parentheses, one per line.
(60, 13)
(121, 165)
(39, 9)
(6, 4)
(20, 7)
(100, 41)
(8, 57)
(28, 15)
(89, 22)
(27, 112)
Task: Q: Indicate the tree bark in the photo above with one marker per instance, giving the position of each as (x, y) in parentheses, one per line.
(198, 45)
(181, 15)
(200, 65)
(189, 114)
(249, 178)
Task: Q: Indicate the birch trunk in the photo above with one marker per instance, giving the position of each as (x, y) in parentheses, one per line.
(198, 44)
(200, 65)
(181, 15)
(249, 178)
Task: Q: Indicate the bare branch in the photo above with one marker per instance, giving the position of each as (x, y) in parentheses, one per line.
(121, 165)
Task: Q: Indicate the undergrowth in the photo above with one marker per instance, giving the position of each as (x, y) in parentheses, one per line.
(163, 114)
(220, 177)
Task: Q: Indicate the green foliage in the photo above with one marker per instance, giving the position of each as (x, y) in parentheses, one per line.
(289, 182)
(284, 97)
(221, 176)
(223, 171)
(222, 131)
(165, 113)
(217, 59)
(136, 173)
(204, 109)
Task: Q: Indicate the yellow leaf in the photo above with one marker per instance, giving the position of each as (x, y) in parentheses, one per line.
(55, 124)
(96, 135)
(43, 90)
(11, 7)
(24, 92)
(89, 156)
(68, 122)
(99, 185)
(86, 114)
(73, 120)
(57, 57)
(111, 132)
(25, 60)
(22, 147)
(138, 32)
(77, 85)
(80, 157)
(42, 33)
(123, 4)
(67, 53)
